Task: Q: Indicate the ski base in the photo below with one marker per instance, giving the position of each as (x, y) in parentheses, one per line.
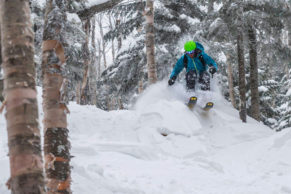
(192, 102)
(208, 106)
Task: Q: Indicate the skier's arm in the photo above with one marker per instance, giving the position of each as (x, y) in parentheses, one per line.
(209, 61)
(178, 68)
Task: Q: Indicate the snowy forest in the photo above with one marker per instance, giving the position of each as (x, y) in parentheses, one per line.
(86, 106)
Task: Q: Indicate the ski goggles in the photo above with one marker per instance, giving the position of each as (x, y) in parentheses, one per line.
(190, 52)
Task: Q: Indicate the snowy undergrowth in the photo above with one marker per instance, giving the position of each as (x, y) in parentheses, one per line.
(124, 152)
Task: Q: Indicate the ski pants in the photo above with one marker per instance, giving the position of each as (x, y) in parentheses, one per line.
(203, 79)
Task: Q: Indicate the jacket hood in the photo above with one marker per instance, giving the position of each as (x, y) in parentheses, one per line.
(199, 46)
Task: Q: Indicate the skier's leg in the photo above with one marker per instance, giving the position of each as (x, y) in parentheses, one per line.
(204, 80)
(190, 79)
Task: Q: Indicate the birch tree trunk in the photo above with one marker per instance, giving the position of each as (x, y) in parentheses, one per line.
(241, 72)
(26, 164)
(150, 42)
(56, 143)
(230, 81)
(255, 99)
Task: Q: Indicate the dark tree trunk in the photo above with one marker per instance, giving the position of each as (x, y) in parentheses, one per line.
(255, 99)
(210, 6)
(119, 38)
(26, 164)
(93, 68)
(85, 96)
(242, 82)
(56, 143)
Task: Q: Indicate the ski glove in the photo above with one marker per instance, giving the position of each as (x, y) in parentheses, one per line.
(172, 80)
(212, 70)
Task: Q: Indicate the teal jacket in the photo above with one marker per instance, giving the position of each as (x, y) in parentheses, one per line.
(194, 63)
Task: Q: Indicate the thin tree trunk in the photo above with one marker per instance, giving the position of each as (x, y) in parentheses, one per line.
(112, 41)
(140, 86)
(56, 143)
(210, 6)
(230, 81)
(99, 20)
(1, 76)
(119, 38)
(26, 164)
(255, 99)
(150, 41)
(289, 32)
(99, 59)
(85, 98)
(93, 70)
(241, 71)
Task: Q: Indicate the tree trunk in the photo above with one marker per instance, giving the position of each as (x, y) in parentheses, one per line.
(255, 99)
(1, 76)
(140, 86)
(26, 164)
(150, 42)
(99, 59)
(119, 38)
(56, 143)
(241, 72)
(230, 81)
(93, 70)
(210, 6)
(85, 97)
(99, 20)
(112, 41)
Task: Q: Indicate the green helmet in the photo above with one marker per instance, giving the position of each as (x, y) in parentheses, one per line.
(190, 46)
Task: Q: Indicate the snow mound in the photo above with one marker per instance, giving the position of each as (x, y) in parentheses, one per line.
(161, 147)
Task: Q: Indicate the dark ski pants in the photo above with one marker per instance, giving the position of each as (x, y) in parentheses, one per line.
(203, 79)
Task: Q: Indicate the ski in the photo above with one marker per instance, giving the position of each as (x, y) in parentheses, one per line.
(192, 101)
(208, 106)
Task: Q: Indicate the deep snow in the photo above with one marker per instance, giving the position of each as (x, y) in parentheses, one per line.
(123, 152)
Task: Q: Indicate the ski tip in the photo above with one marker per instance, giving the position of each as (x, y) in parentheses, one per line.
(193, 98)
(208, 106)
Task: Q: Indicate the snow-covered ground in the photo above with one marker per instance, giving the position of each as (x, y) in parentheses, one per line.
(123, 152)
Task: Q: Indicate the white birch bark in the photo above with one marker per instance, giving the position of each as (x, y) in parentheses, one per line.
(150, 42)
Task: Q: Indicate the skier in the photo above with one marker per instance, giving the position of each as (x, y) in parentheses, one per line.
(196, 62)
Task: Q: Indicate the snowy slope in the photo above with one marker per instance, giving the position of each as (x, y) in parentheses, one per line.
(123, 152)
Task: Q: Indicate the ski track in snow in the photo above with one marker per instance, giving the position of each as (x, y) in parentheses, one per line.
(123, 152)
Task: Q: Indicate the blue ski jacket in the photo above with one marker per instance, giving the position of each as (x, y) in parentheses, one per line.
(194, 63)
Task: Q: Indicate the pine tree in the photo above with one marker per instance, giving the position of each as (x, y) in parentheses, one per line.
(20, 93)
(285, 107)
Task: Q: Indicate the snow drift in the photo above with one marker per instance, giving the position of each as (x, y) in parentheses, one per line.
(124, 151)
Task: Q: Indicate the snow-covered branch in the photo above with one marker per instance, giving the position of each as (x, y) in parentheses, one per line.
(98, 7)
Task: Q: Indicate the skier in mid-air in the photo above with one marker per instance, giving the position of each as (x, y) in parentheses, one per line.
(196, 62)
